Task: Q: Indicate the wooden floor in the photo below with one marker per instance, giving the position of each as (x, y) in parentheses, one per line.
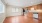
(21, 19)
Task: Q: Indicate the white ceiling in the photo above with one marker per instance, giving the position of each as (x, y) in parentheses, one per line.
(22, 3)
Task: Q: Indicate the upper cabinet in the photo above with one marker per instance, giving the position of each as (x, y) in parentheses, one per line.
(39, 6)
(35, 8)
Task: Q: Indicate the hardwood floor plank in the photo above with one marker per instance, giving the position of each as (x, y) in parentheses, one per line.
(20, 19)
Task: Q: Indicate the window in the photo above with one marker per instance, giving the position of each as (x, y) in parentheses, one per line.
(14, 9)
(2, 7)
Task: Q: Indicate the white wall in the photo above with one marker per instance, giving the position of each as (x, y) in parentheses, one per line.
(11, 13)
(2, 17)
